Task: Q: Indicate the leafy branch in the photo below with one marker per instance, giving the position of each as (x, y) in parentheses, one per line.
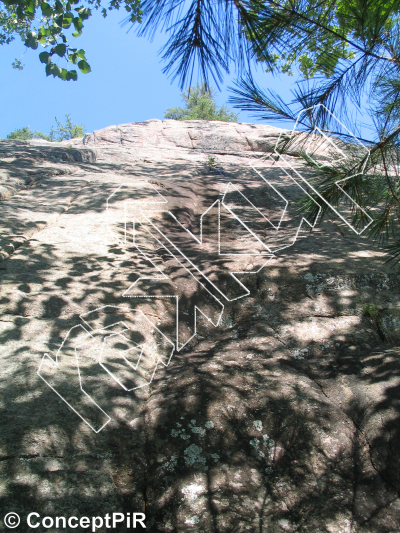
(38, 22)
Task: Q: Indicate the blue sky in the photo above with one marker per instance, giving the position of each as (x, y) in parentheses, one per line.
(126, 83)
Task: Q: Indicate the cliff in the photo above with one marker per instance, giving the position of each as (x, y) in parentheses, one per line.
(176, 341)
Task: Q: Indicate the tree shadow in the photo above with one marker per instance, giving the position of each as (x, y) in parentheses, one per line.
(283, 418)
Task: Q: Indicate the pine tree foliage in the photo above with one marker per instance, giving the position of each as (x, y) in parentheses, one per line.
(348, 51)
(200, 105)
(66, 131)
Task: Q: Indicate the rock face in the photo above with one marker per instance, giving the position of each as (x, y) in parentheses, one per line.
(197, 135)
(175, 342)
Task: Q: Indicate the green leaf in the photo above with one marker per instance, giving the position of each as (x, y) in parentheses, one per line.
(73, 58)
(59, 8)
(64, 74)
(55, 29)
(78, 24)
(54, 69)
(30, 7)
(84, 66)
(81, 53)
(31, 42)
(84, 12)
(21, 13)
(17, 65)
(46, 9)
(60, 49)
(44, 57)
(72, 75)
(59, 20)
(67, 20)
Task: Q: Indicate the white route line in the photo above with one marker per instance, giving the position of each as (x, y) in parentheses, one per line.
(215, 324)
(328, 139)
(162, 200)
(180, 253)
(55, 363)
(181, 258)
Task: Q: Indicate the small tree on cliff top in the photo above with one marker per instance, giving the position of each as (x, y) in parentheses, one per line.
(200, 105)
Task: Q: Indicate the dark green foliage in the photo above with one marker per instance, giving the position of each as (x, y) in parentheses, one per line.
(45, 23)
(369, 32)
(347, 51)
(66, 131)
(26, 133)
(200, 105)
(61, 133)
